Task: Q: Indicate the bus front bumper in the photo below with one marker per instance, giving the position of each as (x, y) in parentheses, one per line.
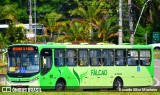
(23, 84)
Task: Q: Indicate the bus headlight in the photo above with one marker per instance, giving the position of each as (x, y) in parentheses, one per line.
(34, 80)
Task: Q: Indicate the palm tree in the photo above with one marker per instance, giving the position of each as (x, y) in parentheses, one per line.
(108, 28)
(91, 15)
(74, 32)
(50, 21)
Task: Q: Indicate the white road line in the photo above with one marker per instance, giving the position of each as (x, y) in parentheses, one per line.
(157, 82)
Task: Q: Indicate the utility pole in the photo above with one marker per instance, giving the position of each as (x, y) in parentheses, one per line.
(30, 16)
(35, 26)
(130, 12)
(120, 23)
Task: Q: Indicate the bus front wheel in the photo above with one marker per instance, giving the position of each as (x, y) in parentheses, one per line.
(60, 85)
(117, 84)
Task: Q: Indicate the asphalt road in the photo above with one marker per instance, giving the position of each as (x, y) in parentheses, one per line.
(157, 72)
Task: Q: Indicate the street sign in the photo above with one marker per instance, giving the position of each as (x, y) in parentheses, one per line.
(30, 35)
(156, 37)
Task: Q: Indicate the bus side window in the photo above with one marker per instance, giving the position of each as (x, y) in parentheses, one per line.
(95, 57)
(145, 56)
(132, 58)
(71, 57)
(83, 57)
(120, 57)
(59, 56)
(107, 57)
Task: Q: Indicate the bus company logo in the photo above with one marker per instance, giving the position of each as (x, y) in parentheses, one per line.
(6, 89)
(98, 72)
(81, 76)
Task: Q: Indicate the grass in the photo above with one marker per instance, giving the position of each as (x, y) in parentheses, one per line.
(81, 93)
(157, 54)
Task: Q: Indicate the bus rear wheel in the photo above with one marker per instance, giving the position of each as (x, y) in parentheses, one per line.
(117, 84)
(60, 85)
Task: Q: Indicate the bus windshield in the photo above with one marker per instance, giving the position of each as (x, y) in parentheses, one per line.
(23, 62)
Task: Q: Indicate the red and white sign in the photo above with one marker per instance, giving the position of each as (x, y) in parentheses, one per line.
(30, 35)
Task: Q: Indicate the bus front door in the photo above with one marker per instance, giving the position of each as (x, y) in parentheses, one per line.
(46, 65)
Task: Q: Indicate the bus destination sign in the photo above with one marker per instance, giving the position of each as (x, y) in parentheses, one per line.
(19, 48)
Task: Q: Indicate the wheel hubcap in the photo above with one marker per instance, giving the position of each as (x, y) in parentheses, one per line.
(59, 86)
(118, 85)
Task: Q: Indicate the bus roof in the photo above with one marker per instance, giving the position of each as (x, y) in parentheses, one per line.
(69, 45)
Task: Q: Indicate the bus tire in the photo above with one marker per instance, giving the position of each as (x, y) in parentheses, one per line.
(117, 84)
(60, 85)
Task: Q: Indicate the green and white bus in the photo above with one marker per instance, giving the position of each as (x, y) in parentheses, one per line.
(80, 66)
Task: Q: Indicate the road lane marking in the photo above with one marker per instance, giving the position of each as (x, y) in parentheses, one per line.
(157, 82)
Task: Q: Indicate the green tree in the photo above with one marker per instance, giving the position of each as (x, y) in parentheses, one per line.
(3, 41)
(150, 20)
(74, 32)
(99, 20)
(140, 36)
(95, 15)
(50, 21)
(7, 12)
(14, 34)
(109, 29)
(91, 14)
